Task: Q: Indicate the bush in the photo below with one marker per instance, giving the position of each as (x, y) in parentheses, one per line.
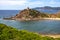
(9, 33)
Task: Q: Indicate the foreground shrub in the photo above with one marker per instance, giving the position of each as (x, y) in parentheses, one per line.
(9, 33)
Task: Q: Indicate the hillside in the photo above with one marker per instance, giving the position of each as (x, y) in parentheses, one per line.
(58, 14)
(29, 14)
(9, 33)
(48, 9)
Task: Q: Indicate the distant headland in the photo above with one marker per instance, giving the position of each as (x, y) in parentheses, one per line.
(31, 14)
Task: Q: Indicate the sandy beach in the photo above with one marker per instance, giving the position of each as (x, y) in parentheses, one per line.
(28, 19)
(52, 35)
(52, 18)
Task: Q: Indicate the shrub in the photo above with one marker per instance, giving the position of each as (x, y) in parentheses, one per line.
(9, 33)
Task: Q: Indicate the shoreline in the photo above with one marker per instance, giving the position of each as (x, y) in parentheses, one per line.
(52, 35)
(37, 19)
(21, 19)
(52, 18)
(49, 35)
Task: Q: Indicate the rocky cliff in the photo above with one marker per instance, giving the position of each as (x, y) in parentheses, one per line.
(29, 14)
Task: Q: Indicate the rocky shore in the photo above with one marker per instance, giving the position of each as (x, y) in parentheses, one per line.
(31, 14)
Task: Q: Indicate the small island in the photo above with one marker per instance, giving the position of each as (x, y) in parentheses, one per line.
(31, 14)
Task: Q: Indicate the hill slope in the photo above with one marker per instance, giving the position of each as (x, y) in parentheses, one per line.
(48, 9)
(9, 33)
(29, 14)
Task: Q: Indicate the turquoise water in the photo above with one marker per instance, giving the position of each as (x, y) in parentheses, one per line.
(41, 26)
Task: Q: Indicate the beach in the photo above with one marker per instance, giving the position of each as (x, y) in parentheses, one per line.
(52, 18)
(52, 35)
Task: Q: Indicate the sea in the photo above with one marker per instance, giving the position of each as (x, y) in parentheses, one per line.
(39, 26)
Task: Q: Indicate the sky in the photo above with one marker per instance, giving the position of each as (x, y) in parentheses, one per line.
(22, 4)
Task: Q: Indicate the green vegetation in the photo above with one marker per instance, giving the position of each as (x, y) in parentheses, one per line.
(9, 33)
(31, 13)
(34, 13)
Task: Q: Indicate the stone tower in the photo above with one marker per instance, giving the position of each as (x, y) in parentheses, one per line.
(27, 8)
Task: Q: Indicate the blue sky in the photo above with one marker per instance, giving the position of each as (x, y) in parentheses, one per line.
(21, 4)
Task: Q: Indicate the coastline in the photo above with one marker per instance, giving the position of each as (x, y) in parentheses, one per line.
(25, 19)
(52, 18)
(38, 19)
(52, 35)
(49, 35)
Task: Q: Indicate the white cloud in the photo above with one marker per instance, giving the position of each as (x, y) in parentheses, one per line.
(8, 4)
(16, 4)
(21, 2)
(12, 2)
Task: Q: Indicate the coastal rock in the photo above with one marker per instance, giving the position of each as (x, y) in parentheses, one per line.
(29, 14)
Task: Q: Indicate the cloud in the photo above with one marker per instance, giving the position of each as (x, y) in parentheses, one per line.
(16, 4)
(26, 2)
(12, 2)
(20, 3)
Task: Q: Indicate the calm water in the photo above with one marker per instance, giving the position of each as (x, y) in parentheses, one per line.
(41, 26)
(8, 13)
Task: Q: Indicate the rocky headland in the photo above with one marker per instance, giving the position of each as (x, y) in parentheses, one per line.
(31, 14)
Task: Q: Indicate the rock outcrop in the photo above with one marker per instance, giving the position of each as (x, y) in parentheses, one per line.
(29, 14)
